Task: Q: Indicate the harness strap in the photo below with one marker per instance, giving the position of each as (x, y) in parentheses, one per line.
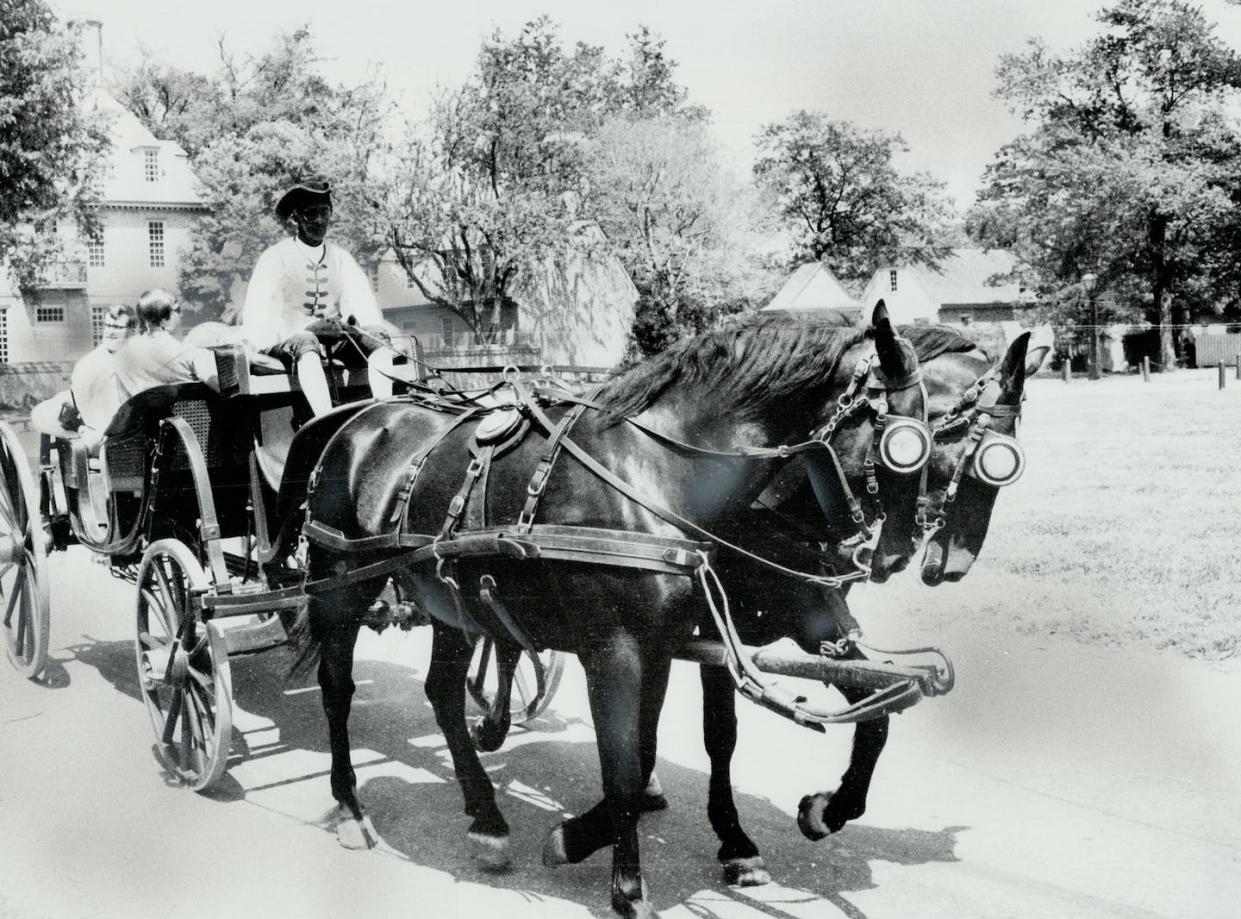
(415, 466)
(669, 516)
(542, 472)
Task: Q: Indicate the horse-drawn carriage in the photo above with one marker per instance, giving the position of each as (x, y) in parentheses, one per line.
(227, 525)
(194, 497)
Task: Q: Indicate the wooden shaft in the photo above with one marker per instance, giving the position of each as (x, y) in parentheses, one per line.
(1223, 380)
(794, 663)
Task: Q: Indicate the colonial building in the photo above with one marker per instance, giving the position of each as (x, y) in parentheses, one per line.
(150, 197)
(963, 290)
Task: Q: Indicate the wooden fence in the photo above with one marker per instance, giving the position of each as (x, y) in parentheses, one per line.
(1214, 348)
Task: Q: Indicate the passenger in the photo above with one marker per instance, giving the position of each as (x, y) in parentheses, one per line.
(86, 408)
(153, 357)
(307, 296)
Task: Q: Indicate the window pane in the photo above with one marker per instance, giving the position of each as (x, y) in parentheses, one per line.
(155, 242)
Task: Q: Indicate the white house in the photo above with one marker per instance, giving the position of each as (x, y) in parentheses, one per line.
(149, 197)
(959, 292)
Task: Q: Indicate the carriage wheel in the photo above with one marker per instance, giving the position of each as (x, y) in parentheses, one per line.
(23, 554)
(534, 681)
(183, 669)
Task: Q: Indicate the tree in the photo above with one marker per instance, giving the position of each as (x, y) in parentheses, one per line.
(249, 128)
(841, 197)
(1129, 168)
(497, 178)
(51, 143)
(683, 228)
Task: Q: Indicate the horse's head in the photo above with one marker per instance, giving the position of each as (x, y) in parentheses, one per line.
(975, 410)
(866, 484)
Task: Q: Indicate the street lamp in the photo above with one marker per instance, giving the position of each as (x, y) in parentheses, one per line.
(1088, 283)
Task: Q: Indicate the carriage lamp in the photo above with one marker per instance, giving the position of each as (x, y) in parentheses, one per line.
(905, 446)
(999, 460)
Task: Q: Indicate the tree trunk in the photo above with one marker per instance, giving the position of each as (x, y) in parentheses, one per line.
(1157, 231)
(1167, 348)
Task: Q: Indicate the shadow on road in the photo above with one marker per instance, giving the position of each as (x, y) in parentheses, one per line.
(540, 776)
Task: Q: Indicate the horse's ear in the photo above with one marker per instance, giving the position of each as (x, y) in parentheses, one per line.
(896, 359)
(1013, 370)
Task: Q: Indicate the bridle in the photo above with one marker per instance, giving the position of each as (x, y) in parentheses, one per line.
(992, 458)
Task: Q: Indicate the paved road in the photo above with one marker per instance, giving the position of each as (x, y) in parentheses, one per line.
(1055, 781)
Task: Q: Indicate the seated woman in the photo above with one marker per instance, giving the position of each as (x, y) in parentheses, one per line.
(85, 409)
(153, 357)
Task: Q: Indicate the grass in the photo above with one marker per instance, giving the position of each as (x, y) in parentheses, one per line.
(1124, 529)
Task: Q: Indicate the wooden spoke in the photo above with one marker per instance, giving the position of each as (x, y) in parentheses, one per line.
(195, 727)
(23, 579)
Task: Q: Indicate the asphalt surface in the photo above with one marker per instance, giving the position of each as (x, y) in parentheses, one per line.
(1055, 781)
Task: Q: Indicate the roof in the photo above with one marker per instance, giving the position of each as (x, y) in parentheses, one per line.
(812, 287)
(124, 184)
(961, 279)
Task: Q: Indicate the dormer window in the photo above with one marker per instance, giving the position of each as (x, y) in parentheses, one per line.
(150, 164)
(892, 279)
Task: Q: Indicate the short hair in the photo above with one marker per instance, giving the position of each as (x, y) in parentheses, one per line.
(155, 307)
(123, 311)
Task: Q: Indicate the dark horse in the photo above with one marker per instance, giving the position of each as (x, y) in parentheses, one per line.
(950, 366)
(785, 524)
(742, 393)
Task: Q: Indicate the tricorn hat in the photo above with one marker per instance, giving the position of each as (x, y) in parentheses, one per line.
(312, 189)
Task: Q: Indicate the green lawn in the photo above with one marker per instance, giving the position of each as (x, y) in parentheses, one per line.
(1125, 529)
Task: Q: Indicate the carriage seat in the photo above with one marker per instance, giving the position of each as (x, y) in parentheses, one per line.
(248, 373)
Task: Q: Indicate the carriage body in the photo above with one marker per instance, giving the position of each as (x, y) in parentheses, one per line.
(192, 498)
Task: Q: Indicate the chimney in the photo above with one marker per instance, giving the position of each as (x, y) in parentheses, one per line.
(90, 42)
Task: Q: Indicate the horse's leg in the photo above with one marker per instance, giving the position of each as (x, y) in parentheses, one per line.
(445, 688)
(614, 678)
(336, 630)
(826, 811)
(738, 854)
(492, 726)
(581, 837)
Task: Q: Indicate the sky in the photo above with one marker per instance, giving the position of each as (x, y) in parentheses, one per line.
(924, 68)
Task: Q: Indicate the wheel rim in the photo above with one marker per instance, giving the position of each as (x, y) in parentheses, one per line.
(534, 681)
(183, 669)
(24, 606)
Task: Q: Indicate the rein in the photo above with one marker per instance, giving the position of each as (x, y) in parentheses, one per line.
(648, 551)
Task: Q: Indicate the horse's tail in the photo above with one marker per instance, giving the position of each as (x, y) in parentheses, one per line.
(306, 647)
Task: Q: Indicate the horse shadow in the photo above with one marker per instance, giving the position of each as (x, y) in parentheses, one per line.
(406, 782)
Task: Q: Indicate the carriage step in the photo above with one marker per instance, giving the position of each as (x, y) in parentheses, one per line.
(252, 636)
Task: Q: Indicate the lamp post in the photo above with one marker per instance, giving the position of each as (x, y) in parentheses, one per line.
(1088, 283)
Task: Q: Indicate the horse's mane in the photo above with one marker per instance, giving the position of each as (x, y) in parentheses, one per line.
(930, 341)
(748, 364)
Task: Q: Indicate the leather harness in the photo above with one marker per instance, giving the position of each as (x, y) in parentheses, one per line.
(465, 532)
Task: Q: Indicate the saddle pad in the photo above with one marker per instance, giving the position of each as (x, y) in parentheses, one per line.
(497, 425)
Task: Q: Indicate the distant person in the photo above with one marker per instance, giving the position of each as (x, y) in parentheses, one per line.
(86, 408)
(153, 357)
(308, 298)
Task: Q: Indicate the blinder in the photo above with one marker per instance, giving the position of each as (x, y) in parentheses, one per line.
(998, 460)
(905, 446)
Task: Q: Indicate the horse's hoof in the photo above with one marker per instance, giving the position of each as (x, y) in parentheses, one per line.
(486, 736)
(746, 872)
(810, 816)
(554, 853)
(353, 833)
(639, 907)
(652, 802)
(491, 852)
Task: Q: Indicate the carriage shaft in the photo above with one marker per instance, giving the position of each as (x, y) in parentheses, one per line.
(794, 663)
